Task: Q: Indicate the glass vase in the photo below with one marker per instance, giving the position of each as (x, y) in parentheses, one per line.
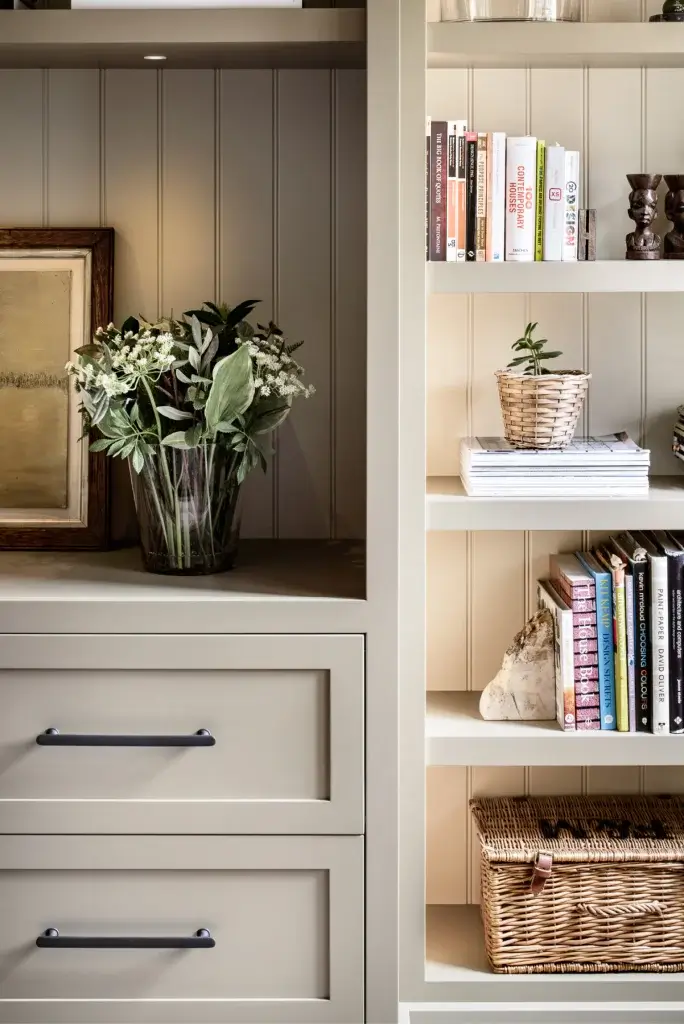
(187, 503)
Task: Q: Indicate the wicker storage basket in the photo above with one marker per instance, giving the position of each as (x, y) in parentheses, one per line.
(582, 884)
(541, 412)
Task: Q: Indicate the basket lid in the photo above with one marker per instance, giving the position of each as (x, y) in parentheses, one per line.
(581, 829)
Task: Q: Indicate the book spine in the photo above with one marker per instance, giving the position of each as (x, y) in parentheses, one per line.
(554, 204)
(588, 726)
(471, 196)
(585, 646)
(587, 700)
(660, 647)
(631, 674)
(586, 632)
(481, 228)
(571, 193)
(521, 169)
(586, 673)
(428, 172)
(539, 211)
(497, 192)
(563, 646)
(676, 584)
(461, 219)
(452, 191)
(642, 627)
(604, 621)
(620, 631)
(438, 191)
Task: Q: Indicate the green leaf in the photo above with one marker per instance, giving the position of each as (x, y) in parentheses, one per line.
(549, 355)
(176, 440)
(196, 329)
(183, 378)
(193, 436)
(101, 445)
(194, 357)
(172, 413)
(138, 460)
(269, 414)
(519, 361)
(233, 389)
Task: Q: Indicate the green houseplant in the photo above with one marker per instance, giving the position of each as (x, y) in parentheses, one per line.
(191, 405)
(540, 406)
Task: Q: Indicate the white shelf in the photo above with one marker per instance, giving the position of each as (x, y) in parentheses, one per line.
(188, 38)
(456, 969)
(277, 587)
(456, 735)
(522, 45)
(450, 508)
(599, 276)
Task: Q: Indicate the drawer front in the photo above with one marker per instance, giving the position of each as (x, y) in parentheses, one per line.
(285, 915)
(283, 754)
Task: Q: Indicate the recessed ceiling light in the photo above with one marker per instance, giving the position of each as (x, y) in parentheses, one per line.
(154, 56)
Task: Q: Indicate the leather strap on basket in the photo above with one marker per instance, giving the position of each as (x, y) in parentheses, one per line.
(541, 872)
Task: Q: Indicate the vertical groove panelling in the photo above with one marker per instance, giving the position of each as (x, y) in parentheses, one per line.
(447, 611)
(349, 306)
(73, 143)
(304, 174)
(188, 169)
(446, 811)
(246, 229)
(21, 131)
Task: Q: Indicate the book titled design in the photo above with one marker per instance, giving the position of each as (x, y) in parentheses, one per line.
(547, 597)
(496, 198)
(635, 558)
(604, 621)
(554, 203)
(461, 250)
(452, 191)
(438, 191)
(521, 174)
(481, 202)
(471, 196)
(660, 646)
(539, 210)
(571, 196)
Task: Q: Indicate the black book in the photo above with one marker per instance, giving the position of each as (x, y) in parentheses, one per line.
(471, 197)
(428, 172)
(674, 552)
(637, 562)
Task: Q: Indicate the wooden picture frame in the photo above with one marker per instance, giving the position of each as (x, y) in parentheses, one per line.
(82, 261)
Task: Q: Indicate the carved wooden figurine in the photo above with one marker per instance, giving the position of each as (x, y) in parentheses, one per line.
(673, 10)
(674, 211)
(643, 243)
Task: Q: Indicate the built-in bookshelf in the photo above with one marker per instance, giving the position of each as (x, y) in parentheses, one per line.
(472, 563)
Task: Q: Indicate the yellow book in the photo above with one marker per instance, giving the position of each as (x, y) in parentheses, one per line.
(541, 188)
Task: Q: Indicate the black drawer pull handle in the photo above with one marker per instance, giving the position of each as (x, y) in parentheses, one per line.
(55, 738)
(51, 939)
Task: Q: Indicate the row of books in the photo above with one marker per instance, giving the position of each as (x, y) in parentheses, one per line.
(619, 626)
(612, 466)
(491, 198)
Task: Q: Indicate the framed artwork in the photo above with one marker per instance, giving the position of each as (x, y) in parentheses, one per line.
(56, 287)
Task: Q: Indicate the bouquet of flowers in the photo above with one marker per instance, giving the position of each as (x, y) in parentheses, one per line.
(190, 404)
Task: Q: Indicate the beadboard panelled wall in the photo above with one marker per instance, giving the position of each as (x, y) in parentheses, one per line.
(482, 585)
(227, 185)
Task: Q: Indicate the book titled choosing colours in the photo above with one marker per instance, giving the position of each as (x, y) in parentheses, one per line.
(619, 621)
(490, 198)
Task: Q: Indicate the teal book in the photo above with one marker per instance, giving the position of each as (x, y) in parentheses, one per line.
(604, 636)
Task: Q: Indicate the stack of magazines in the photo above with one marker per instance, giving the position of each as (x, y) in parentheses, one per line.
(591, 467)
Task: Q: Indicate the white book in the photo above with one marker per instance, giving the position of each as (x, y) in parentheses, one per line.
(571, 203)
(521, 191)
(547, 597)
(452, 192)
(496, 198)
(660, 636)
(554, 204)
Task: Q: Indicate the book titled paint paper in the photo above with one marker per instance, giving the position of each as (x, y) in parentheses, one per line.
(521, 192)
(571, 228)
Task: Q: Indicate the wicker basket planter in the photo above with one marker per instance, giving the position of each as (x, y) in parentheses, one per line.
(541, 412)
(582, 884)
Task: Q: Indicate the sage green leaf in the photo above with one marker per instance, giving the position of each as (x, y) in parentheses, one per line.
(193, 436)
(233, 389)
(176, 440)
(101, 445)
(172, 413)
(138, 460)
(194, 357)
(271, 413)
(182, 377)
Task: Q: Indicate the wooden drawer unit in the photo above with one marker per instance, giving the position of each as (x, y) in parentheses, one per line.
(285, 915)
(181, 734)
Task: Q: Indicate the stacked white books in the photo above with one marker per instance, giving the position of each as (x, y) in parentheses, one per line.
(591, 467)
